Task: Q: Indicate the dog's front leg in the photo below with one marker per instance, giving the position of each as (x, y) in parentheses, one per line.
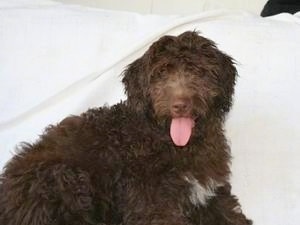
(222, 209)
(156, 214)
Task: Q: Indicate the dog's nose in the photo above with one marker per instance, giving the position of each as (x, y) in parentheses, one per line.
(180, 106)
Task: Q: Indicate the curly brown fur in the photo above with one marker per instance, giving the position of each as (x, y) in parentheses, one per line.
(119, 165)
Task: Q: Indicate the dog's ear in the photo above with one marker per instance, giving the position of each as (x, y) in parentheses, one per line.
(227, 74)
(135, 84)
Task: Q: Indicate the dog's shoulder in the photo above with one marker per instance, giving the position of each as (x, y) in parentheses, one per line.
(121, 123)
(105, 117)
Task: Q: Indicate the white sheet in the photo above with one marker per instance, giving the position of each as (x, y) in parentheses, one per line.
(57, 60)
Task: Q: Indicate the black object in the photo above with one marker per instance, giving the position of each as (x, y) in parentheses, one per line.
(274, 7)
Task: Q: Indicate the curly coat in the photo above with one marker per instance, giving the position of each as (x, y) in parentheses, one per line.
(119, 165)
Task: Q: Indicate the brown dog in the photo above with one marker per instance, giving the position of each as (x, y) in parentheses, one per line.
(160, 158)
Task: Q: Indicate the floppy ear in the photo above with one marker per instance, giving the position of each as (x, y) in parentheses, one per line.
(134, 80)
(227, 74)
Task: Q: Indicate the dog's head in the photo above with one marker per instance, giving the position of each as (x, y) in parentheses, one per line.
(182, 78)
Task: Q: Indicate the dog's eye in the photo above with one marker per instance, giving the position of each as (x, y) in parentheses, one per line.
(155, 77)
(158, 74)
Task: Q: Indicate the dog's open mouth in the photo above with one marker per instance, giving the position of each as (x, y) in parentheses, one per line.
(181, 130)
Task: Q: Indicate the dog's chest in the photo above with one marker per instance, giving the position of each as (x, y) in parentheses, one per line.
(166, 175)
(155, 170)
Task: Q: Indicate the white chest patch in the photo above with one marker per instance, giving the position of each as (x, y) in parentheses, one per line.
(199, 194)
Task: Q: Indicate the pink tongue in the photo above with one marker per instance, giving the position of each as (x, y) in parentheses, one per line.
(181, 130)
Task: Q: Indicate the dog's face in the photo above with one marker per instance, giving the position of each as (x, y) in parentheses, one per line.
(177, 92)
(182, 79)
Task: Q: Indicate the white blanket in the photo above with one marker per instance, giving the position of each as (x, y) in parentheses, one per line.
(57, 60)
